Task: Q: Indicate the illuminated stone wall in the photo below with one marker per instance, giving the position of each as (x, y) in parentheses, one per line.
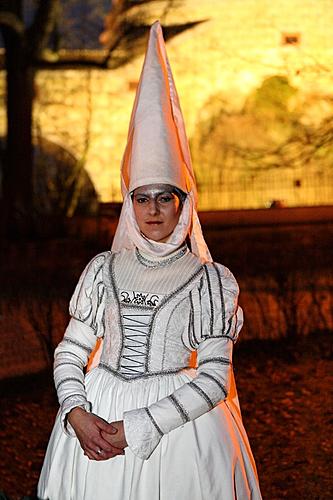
(239, 44)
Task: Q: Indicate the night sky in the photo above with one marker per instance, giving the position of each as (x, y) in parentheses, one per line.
(80, 22)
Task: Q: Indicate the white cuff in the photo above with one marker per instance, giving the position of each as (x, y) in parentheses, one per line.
(72, 403)
(141, 432)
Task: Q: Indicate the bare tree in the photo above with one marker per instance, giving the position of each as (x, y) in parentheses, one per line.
(23, 46)
(123, 38)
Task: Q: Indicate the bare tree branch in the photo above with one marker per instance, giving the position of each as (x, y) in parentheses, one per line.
(38, 33)
(13, 22)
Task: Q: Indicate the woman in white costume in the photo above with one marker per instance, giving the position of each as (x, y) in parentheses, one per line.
(144, 424)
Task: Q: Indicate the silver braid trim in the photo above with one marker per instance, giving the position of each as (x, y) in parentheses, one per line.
(161, 263)
(154, 422)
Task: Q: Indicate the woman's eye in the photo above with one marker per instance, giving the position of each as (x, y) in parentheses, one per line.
(141, 200)
(165, 199)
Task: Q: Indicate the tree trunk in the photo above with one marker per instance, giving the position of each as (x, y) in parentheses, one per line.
(18, 172)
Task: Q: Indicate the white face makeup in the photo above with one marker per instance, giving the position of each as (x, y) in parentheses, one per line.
(157, 209)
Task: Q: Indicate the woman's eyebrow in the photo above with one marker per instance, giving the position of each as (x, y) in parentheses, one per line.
(158, 193)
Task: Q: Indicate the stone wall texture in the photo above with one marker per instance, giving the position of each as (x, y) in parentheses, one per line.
(238, 45)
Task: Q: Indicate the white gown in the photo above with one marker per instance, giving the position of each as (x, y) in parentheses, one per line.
(186, 440)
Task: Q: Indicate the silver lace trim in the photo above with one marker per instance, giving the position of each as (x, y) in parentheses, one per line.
(180, 408)
(153, 264)
(78, 344)
(74, 398)
(216, 359)
(214, 379)
(211, 318)
(202, 393)
(219, 278)
(145, 375)
(154, 422)
(58, 364)
(69, 379)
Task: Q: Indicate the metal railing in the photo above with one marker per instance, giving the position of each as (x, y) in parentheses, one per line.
(272, 188)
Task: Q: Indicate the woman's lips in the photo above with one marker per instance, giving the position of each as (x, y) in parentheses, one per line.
(154, 222)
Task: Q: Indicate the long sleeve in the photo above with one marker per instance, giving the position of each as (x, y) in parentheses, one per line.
(86, 325)
(221, 321)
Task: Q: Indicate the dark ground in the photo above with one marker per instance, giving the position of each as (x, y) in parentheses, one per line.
(284, 385)
(285, 390)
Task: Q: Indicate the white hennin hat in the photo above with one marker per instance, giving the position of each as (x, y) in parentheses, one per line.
(157, 152)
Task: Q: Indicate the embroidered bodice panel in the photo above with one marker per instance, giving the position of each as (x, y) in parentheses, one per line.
(134, 298)
(147, 314)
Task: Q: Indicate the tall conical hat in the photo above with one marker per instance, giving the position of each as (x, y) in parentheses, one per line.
(157, 149)
(157, 152)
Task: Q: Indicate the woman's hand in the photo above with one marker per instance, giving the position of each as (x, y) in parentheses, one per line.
(117, 439)
(94, 434)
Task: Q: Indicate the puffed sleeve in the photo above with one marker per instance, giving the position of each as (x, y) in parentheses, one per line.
(220, 322)
(86, 324)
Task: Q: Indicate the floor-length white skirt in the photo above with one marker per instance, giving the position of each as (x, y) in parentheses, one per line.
(207, 459)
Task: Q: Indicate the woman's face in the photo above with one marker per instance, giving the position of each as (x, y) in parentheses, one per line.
(157, 210)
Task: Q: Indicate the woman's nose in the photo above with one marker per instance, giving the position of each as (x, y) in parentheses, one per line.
(153, 207)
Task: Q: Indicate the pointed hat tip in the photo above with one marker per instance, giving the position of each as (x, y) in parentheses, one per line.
(156, 27)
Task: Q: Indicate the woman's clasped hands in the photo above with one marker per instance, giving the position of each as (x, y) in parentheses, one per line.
(99, 439)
